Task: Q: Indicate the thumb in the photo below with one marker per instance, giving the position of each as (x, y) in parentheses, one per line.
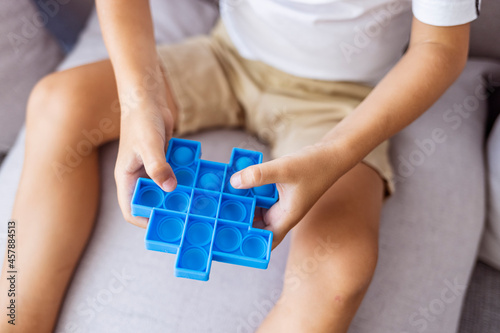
(155, 163)
(257, 175)
(279, 219)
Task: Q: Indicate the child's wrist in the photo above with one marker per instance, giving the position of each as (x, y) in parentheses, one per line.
(144, 77)
(134, 98)
(333, 157)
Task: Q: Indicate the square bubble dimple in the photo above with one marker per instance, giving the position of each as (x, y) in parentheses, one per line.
(147, 195)
(199, 232)
(178, 200)
(210, 176)
(183, 153)
(228, 236)
(237, 209)
(241, 159)
(254, 246)
(185, 176)
(164, 231)
(204, 203)
(266, 195)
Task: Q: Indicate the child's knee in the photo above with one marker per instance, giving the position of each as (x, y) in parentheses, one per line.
(54, 102)
(316, 288)
(335, 272)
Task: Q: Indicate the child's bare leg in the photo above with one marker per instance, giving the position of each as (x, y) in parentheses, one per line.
(332, 257)
(56, 206)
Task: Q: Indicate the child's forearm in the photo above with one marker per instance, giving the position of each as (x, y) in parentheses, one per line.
(435, 58)
(128, 32)
(148, 110)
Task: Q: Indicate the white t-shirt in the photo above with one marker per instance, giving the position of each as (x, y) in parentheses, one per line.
(336, 40)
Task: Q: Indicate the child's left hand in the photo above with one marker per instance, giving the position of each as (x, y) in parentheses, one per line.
(301, 178)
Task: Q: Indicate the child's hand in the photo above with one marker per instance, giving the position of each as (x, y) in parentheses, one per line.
(301, 178)
(145, 102)
(145, 131)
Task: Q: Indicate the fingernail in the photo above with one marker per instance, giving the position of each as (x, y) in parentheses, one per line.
(169, 185)
(236, 180)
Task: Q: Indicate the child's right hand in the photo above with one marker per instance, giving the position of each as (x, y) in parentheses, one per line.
(146, 127)
(146, 118)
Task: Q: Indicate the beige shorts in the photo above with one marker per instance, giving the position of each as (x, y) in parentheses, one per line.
(214, 86)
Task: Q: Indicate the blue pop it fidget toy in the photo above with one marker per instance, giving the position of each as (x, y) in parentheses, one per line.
(205, 218)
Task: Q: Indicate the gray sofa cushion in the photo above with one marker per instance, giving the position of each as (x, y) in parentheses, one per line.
(27, 53)
(490, 247)
(65, 19)
(481, 313)
(485, 31)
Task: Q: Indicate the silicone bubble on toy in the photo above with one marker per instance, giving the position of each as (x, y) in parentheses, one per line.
(205, 218)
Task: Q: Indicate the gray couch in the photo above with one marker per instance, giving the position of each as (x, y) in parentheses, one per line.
(430, 231)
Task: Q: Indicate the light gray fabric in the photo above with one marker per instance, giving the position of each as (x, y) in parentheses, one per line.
(485, 31)
(490, 247)
(481, 313)
(27, 52)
